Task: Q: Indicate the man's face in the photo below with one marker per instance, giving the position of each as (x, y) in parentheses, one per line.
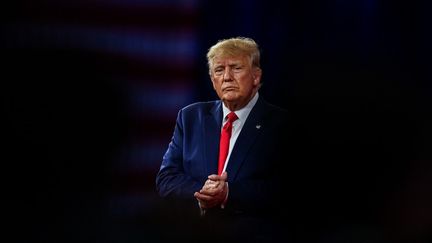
(234, 79)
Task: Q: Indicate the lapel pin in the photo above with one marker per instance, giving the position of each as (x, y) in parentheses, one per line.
(258, 126)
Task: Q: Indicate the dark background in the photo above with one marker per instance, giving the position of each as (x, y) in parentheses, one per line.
(90, 91)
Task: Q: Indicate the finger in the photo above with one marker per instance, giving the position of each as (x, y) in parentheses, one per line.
(218, 185)
(213, 177)
(209, 182)
(211, 187)
(211, 192)
(222, 177)
(202, 197)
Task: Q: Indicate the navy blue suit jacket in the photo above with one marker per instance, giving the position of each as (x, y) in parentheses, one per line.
(254, 167)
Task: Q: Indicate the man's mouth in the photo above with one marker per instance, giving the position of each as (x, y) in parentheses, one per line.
(229, 89)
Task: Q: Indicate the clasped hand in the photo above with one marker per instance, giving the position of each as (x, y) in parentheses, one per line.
(213, 192)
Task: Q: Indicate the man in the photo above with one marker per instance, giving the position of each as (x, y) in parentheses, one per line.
(224, 155)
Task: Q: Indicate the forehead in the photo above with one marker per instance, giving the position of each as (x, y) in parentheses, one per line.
(228, 60)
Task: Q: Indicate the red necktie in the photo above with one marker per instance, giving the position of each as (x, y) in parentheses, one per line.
(225, 140)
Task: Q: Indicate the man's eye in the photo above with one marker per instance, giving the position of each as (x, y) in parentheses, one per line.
(218, 71)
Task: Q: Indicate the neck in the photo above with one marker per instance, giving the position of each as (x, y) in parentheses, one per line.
(233, 106)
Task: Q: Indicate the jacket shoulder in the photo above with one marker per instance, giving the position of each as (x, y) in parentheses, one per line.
(200, 107)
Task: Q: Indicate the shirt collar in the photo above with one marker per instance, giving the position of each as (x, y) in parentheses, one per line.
(243, 113)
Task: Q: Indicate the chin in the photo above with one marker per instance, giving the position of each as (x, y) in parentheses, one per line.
(230, 98)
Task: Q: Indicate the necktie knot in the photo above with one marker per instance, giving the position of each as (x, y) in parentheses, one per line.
(232, 117)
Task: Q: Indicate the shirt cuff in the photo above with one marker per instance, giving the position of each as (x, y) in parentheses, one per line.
(202, 210)
(226, 197)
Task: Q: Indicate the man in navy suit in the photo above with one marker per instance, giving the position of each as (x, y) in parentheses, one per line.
(249, 183)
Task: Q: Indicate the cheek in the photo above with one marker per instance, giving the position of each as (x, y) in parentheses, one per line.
(216, 84)
(214, 81)
(245, 84)
(217, 80)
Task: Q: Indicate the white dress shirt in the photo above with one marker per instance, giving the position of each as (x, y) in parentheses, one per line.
(237, 126)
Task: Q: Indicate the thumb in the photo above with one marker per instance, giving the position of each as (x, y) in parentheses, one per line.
(224, 176)
(214, 177)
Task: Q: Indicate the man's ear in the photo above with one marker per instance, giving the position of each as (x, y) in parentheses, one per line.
(257, 76)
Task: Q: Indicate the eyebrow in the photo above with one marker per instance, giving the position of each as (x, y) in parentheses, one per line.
(230, 65)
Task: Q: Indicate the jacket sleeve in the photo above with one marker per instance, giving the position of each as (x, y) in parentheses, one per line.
(171, 180)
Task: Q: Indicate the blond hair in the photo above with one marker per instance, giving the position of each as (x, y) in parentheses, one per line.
(238, 46)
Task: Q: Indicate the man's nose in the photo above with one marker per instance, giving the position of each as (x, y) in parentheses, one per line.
(227, 74)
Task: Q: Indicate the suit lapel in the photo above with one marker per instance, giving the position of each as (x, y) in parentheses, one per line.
(211, 130)
(246, 138)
